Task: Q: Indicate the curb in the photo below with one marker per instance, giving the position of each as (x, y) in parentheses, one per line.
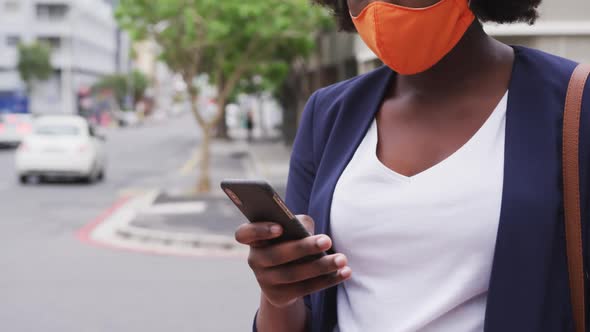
(113, 230)
(219, 242)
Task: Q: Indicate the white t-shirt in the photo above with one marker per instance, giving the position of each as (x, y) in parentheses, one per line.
(420, 247)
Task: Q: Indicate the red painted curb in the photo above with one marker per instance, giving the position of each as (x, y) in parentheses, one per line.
(84, 235)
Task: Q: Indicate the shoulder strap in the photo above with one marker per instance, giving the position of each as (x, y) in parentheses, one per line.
(571, 193)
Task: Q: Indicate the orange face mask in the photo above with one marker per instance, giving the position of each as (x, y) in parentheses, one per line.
(412, 40)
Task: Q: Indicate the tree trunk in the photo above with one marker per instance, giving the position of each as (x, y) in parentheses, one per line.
(261, 117)
(222, 128)
(204, 182)
(221, 101)
(292, 96)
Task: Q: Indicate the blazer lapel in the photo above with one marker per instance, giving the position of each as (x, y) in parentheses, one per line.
(357, 111)
(529, 244)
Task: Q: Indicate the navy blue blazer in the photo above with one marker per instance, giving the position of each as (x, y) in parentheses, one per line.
(529, 289)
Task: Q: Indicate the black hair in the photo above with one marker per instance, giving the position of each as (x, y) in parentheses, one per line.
(498, 11)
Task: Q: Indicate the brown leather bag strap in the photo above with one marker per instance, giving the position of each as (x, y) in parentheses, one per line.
(571, 193)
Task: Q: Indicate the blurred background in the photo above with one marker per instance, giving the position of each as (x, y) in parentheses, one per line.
(118, 120)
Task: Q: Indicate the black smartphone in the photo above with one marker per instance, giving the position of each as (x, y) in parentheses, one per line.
(258, 201)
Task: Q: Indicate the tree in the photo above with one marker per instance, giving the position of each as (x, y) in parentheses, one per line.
(139, 84)
(122, 86)
(34, 64)
(228, 40)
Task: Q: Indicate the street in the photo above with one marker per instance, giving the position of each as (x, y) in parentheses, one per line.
(52, 281)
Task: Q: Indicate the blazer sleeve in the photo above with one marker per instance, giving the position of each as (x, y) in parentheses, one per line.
(586, 226)
(302, 169)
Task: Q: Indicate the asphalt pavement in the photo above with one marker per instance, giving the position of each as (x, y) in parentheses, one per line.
(51, 281)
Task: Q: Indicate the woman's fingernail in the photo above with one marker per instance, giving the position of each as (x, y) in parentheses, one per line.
(345, 272)
(276, 229)
(323, 241)
(340, 261)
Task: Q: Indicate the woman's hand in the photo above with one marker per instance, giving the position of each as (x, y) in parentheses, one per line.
(281, 273)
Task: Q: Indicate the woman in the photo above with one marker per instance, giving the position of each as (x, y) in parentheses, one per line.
(436, 179)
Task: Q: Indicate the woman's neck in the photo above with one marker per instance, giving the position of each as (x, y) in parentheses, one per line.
(476, 55)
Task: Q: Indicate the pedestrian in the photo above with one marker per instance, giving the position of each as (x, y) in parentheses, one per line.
(250, 126)
(435, 180)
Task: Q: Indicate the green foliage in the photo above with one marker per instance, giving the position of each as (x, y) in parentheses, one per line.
(121, 85)
(267, 35)
(139, 83)
(229, 39)
(34, 63)
(268, 77)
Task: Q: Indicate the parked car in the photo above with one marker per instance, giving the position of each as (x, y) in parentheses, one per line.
(62, 146)
(14, 127)
(126, 118)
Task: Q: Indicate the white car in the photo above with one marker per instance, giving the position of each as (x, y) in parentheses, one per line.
(126, 118)
(62, 146)
(14, 127)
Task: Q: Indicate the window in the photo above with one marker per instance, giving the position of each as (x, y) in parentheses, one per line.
(52, 42)
(51, 12)
(12, 40)
(57, 130)
(11, 5)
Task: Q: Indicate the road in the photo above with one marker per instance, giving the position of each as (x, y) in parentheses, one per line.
(50, 281)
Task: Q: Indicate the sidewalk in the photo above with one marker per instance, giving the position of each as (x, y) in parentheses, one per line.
(171, 220)
(270, 162)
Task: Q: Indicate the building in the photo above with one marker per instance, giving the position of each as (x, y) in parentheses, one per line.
(563, 29)
(85, 41)
(164, 83)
